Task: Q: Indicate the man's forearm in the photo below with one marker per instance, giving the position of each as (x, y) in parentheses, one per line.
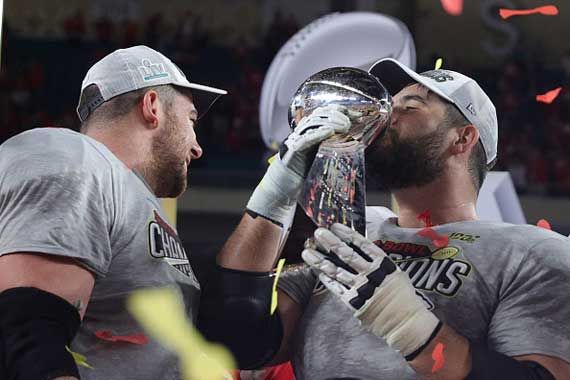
(235, 305)
(253, 246)
(445, 357)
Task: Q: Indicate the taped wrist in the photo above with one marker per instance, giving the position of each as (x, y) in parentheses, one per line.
(275, 197)
(235, 311)
(35, 328)
(487, 364)
(396, 314)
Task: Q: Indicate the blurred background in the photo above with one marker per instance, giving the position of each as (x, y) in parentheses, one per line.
(47, 47)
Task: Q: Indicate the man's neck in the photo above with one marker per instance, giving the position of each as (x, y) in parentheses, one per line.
(125, 143)
(446, 200)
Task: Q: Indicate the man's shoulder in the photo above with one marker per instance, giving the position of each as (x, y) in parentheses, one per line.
(54, 141)
(528, 233)
(51, 150)
(375, 214)
(524, 243)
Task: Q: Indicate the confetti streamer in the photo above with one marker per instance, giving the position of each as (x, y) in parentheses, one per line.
(437, 356)
(272, 158)
(438, 240)
(438, 63)
(162, 314)
(425, 217)
(549, 96)
(543, 223)
(452, 7)
(107, 335)
(280, 265)
(274, 146)
(80, 360)
(546, 10)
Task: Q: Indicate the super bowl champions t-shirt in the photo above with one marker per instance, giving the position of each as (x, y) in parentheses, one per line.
(503, 284)
(64, 194)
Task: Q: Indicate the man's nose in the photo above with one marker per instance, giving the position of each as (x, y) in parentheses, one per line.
(196, 151)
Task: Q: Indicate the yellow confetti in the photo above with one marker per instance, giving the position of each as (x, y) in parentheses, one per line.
(280, 265)
(79, 359)
(161, 313)
(272, 158)
(438, 63)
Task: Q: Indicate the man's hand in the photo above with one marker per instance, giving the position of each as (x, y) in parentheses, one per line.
(276, 195)
(381, 295)
(297, 151)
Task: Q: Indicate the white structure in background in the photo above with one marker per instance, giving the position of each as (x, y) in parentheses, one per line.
(354, 39)
(358, 39)
(498, 200)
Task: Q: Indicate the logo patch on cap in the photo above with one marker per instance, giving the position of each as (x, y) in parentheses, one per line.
(150, 71)
(471, 109)
(438, 75)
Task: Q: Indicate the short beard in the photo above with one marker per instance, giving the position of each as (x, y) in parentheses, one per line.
(167, 168)
(404, 163)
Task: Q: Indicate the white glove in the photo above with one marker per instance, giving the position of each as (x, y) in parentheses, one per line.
(276, 195)
(382, 296)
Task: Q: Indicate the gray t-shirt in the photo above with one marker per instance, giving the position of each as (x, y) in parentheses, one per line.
(65, 194)
(508, 285)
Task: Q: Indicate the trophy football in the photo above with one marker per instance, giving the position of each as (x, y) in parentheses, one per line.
(334, 191)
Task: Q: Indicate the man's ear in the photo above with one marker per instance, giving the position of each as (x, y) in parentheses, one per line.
(150, 106)
(465, 139)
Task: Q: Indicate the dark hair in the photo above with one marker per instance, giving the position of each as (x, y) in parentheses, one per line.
(477, 165)
(120, 105)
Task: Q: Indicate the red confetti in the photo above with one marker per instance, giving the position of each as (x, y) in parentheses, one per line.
(452, 7)
(110, 337)
(438, 240)
(437, 356)
(425, 217)
(543, 223)
(549, 96)
(546, 10)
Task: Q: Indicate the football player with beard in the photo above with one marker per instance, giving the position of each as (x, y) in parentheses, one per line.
(81, 226)
(458, 298)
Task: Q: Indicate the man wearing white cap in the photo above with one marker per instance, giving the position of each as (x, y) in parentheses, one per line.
(462, 298)
(81, 226)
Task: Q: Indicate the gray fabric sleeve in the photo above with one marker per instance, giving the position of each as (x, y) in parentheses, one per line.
(55, 200)
(298, 282)
(533, 313)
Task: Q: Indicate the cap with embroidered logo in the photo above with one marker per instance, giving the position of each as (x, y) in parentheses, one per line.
(452, 86)
(131, 69)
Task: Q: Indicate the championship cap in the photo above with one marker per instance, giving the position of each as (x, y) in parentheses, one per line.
(131, 69)
(452, 86)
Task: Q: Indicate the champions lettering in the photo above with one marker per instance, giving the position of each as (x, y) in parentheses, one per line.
(436, 271)
(165, 244)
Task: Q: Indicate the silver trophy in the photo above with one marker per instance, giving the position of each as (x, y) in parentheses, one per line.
(334, 191)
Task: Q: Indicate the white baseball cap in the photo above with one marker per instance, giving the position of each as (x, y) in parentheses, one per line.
(452, 86)
(126, 70)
